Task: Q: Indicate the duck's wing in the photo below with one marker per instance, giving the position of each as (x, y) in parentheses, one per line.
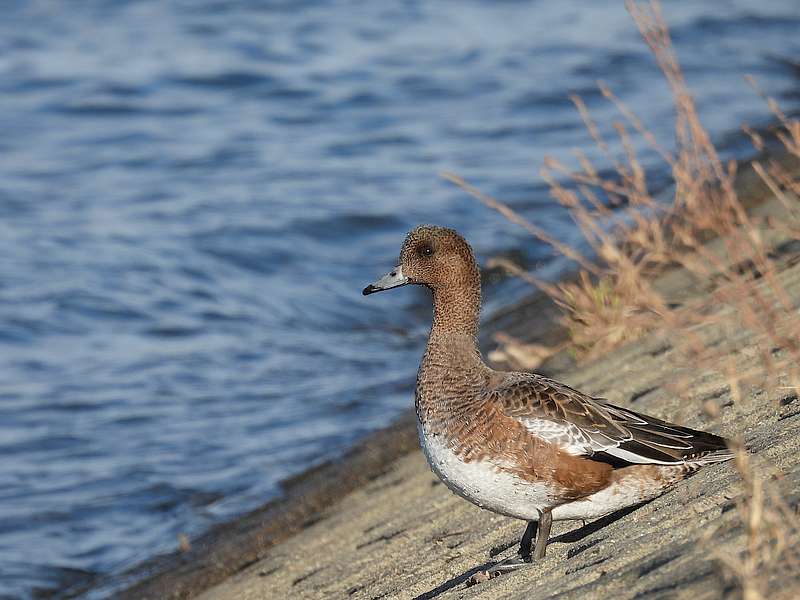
(582, 425)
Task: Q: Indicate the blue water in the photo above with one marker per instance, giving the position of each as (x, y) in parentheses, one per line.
(193, 194)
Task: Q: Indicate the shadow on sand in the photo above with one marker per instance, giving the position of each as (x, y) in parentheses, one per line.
(569, 537)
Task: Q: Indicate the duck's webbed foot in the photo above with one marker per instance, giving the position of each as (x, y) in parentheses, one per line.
(520, 559)
(511, 563)
(523, 556)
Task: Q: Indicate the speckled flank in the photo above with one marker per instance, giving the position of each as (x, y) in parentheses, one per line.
(490, 483)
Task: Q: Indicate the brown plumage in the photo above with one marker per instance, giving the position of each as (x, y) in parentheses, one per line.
(518, 443)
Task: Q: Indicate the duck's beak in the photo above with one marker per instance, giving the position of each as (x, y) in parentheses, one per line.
(392, 279)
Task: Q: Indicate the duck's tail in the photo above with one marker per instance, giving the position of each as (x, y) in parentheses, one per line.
(710, 458)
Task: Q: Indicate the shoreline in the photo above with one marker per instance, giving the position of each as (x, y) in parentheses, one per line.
(234, 546)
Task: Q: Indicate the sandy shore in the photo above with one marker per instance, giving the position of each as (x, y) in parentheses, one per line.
(379, 524)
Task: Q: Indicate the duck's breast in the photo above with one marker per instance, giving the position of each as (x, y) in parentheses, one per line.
(485, 482)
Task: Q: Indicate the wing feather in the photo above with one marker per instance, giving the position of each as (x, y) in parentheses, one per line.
(582, 425)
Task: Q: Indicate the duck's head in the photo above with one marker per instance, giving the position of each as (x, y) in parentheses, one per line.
(436, 257)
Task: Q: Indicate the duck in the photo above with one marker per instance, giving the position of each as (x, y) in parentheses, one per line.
(518, 443)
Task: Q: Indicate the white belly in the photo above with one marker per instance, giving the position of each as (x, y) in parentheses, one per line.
(611, 499)
(483, 482)
(618, 495)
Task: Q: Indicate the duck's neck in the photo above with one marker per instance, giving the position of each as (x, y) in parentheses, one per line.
(452, 372)
(453, 344)
(456, 309)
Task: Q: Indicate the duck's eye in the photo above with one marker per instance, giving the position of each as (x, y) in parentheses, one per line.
(426, 250)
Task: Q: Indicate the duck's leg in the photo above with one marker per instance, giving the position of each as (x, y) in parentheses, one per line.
(542, 533)
(525, 543)
(521, 558)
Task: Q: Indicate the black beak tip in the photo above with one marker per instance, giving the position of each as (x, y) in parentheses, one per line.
(370, 289)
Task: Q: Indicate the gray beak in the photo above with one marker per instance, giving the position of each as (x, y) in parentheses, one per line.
(392, 279)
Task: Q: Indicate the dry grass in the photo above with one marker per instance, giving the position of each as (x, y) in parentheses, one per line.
(771, 526)
(705, 230)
